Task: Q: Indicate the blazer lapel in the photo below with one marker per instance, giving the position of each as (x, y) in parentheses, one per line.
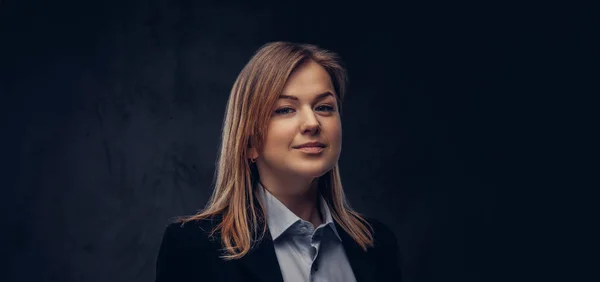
(262, 262)
(362, 266)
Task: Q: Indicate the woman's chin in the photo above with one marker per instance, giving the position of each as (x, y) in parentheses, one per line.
(312, 171)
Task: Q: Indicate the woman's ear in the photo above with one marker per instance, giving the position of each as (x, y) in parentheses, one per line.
(252, 151)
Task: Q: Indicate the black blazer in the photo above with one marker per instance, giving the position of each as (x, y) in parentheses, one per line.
(188, 254)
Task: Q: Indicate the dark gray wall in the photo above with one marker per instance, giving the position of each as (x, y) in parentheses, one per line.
(113, 111)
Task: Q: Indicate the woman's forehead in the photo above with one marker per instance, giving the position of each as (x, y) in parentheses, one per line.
(308, 89)
(308, 75)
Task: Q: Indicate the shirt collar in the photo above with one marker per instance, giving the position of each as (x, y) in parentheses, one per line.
(280, 218)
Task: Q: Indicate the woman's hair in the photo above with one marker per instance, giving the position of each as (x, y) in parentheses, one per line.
(254, 94)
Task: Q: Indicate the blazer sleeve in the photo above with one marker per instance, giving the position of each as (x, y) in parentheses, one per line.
(389, 252)
(394, 260)
(171, 259)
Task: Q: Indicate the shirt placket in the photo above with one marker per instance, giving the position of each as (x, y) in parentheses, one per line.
(314, 241)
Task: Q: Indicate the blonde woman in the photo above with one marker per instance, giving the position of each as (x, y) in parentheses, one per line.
(278, 210)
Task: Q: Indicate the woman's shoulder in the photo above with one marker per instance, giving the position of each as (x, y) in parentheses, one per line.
(386, 251)
(187, 245)
(382, 233)
(192, 232)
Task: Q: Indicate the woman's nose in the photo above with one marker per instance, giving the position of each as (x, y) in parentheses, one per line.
(310, 123)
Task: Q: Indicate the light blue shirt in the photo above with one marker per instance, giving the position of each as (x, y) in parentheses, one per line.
(306, 253)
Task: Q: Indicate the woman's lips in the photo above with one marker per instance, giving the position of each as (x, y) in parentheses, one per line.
(311, 150)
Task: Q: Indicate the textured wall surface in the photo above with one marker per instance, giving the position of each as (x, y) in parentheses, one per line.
(115, 107)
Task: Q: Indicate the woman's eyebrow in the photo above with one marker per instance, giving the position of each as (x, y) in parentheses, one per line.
(318, 97)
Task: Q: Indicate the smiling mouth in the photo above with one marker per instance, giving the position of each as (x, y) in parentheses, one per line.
(311, 150)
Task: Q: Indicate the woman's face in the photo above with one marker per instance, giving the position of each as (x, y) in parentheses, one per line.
(305, 112)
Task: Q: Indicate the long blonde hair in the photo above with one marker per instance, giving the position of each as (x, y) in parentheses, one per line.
(252, 97)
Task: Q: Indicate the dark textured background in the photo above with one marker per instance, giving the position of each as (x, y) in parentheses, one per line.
(113, 112)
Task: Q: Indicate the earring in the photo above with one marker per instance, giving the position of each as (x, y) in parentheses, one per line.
(252, 160)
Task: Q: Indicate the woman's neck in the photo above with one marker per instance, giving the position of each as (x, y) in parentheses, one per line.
(301, 197)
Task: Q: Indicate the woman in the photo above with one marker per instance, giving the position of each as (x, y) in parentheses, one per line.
(278, 211)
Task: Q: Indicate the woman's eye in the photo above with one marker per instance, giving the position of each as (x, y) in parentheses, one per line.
(288, 110)
(326, 108)
(283, 111)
